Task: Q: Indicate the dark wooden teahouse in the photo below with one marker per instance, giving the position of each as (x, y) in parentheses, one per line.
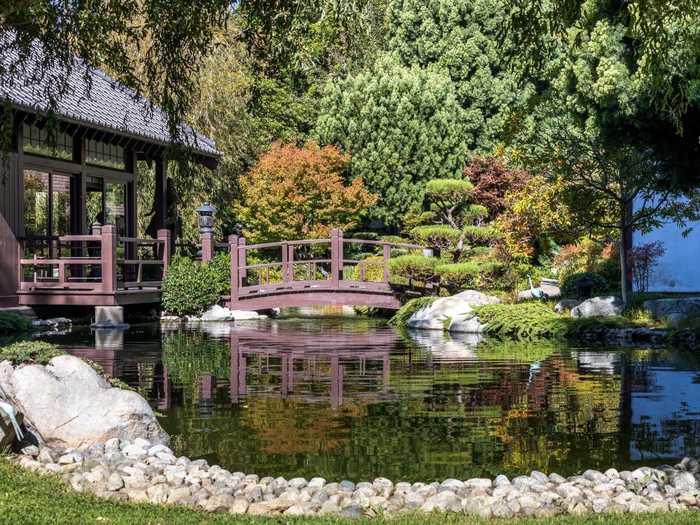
(68, 194)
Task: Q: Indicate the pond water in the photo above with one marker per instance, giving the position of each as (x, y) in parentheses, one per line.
(348, 398)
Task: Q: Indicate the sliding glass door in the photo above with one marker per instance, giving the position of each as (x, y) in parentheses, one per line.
(49, 207)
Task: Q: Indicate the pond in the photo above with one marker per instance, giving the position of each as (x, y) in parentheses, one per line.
(351, 398)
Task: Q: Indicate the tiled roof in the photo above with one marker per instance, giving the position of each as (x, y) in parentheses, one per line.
(104, 104)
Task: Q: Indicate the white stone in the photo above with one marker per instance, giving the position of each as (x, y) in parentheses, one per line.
(609, 306)
(218, 313)
(445, 310)
(684, 481)
(71, 405)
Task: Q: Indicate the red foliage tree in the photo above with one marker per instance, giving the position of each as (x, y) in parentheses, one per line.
(493, 179)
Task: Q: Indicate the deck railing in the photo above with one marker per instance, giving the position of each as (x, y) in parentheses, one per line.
(102, 262)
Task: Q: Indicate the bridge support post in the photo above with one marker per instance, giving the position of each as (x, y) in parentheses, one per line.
(336, 256)
(387, 256)
(235, 278)
(285, 262)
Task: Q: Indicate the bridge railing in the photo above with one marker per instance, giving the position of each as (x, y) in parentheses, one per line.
(305, 264)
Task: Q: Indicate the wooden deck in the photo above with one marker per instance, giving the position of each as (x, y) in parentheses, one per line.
(101, 269)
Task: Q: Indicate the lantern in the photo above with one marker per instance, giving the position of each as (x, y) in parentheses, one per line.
(206, 218)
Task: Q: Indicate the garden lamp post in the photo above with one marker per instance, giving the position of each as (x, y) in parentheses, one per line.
(205, 218)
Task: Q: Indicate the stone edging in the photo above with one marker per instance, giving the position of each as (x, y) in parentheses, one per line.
(140, 471)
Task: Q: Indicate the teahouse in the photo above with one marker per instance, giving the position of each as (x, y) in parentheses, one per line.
(69, 193)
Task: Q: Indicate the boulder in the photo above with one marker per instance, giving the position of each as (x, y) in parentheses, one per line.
(673, 310)
(7, 429)
(548, 286)
(71, 405)
(467, 325)
(441, 313)
(218, 313)
(566, 304)
(609, 306)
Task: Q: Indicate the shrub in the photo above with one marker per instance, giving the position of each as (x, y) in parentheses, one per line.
(404, 313)
(457, 276)
(190, 287)
(583, 285)
(31, 352)
(12, 322)
(643, 259)
(521, 321)
(414, 267)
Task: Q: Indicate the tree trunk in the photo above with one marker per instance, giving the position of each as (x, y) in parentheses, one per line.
(625, 271)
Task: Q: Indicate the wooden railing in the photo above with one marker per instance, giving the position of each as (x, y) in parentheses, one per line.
(101, 262)
(304, 264)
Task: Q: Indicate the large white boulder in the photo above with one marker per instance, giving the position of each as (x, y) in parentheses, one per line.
(609, 306)
(442, 313)
(673, 309)
(218, 313)
(71, 405)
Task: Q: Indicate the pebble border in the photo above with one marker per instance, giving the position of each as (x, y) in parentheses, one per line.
(140, 471)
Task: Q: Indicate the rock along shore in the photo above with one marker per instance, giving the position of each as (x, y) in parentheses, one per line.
(141, 471)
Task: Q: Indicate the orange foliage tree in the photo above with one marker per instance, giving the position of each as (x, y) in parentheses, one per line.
(299, 192)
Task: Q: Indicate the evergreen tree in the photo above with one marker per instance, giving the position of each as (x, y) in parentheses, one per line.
(402, 125)
(465, 39)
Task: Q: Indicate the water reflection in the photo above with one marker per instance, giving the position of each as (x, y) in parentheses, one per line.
(354, 399)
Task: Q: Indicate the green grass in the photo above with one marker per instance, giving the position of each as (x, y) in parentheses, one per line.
(29, 498)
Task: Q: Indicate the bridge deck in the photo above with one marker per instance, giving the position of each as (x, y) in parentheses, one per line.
(315, 278)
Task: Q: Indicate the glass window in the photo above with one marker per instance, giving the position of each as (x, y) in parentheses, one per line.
(104, 154)
(47, 142)
(60, 204)
(115, 206)
(36, 203)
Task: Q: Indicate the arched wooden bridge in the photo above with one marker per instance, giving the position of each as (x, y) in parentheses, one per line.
(309, 272)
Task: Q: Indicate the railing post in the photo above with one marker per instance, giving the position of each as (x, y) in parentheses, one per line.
(387, 255)
(108, 255)
(207, 246)
(164, 238)
(336, 256)
(242, 264)
(235, 276)
(285, 262)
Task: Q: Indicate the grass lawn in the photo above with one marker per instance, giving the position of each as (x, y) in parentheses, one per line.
(28, 498)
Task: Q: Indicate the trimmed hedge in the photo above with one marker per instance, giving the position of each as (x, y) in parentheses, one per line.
(414, 267)
(190, 287)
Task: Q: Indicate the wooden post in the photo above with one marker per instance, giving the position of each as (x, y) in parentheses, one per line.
(242, 258)
(387, 256)
(235, 277)
(164, 238)
(207, 246)
(290, 262)
(161, 194)
(336, 256)
(285, 262)
(108, 256)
